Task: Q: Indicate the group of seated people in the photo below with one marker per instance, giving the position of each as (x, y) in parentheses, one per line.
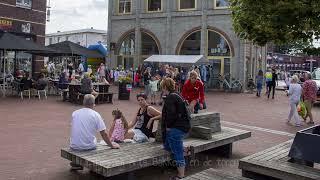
(86, 122)
(85, 82)
(26, 82)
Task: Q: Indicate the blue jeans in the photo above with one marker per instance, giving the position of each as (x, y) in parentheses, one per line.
(174, 144)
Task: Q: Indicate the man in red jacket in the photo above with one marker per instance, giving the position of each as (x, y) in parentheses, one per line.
(193, 91)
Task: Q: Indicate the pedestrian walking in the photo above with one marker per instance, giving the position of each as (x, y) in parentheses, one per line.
(295, 91)
(309, 96)
(273, 84)
(259, 79)
(268, 80)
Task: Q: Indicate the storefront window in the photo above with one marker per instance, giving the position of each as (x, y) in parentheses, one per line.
(191, 46)
(221, 3)
(187, 4)
(124, 6)
(24, 3)
(154, 5)
(217, 45)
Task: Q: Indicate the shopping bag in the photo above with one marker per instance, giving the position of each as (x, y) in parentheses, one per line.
(301, 108)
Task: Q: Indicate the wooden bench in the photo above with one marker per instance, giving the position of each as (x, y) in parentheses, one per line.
(212, 174)
(110, 162)
(273, 163)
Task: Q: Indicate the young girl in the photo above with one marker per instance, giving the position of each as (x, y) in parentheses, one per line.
(154, 88)
(119, 127)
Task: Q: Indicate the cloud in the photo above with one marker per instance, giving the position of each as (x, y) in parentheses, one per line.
(77, 14)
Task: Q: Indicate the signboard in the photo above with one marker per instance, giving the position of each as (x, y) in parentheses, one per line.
(5, 24)
(26, 28)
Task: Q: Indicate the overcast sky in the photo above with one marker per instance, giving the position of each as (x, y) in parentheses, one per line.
(77, 14)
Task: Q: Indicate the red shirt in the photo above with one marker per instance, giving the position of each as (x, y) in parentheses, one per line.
(310, 90)
(191, 92)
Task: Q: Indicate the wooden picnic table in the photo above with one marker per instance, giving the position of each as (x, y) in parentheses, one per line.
(110, 162)
(75, 91)
(274, 163)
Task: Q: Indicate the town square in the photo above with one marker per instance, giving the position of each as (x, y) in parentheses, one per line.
(159, 89)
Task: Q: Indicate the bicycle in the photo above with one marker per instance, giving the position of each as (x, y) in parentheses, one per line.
(232, 85)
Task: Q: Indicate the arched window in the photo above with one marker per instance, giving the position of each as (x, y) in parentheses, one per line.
(217, 45)
(192, 44)
(126, 51)
(127, 45)
(148, 45)
(217, 51)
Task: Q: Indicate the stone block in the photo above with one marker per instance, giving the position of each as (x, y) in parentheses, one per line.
(201, 132)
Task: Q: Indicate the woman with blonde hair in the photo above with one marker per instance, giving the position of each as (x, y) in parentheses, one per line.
(193, 91)
(294, 92)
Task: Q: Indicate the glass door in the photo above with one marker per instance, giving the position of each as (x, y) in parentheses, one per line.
(215, 70)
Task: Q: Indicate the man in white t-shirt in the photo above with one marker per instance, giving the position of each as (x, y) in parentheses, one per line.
(85, 124)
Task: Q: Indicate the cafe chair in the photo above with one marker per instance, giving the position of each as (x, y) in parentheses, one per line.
(25, 88)
(41, 89)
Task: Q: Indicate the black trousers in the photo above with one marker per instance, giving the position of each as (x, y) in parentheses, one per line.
(272, 86)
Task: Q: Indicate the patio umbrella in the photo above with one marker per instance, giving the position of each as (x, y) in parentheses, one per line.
(9, 41)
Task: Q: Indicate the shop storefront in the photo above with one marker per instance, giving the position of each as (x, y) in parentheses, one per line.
(17, 60)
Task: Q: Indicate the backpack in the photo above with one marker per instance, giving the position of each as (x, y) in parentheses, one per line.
(184, 111)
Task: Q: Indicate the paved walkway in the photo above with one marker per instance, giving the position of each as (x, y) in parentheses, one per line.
(32, 133)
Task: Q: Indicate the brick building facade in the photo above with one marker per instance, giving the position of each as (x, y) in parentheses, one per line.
(25, 18)
(138, 29)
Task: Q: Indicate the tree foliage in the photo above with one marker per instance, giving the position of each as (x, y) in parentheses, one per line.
(277, 21)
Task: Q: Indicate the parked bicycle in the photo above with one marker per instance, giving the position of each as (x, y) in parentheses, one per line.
(229, 84)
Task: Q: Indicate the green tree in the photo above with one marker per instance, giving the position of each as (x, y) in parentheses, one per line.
(276, 21)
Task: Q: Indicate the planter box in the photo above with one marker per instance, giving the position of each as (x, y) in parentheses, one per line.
(306, 146)
(124, 91)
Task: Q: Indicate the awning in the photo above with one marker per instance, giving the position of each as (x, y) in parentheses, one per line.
(179, 59)
(68, 48)
(12, 42)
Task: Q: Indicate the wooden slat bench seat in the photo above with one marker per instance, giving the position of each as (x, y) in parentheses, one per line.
(273, 163)
(212, 174)
(109, 162)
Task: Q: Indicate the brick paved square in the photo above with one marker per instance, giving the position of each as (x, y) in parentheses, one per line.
(32, 132)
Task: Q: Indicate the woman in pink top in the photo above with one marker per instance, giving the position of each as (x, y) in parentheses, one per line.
(119, 127)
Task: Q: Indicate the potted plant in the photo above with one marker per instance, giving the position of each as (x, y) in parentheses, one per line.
(125, 86)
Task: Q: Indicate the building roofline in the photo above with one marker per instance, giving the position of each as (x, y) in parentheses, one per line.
(77, 32)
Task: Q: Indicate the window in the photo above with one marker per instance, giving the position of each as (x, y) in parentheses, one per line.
(154, 5)
(187, 4)
(221, 4)
(192, 44)
(124, 6)
(24, 3)
(50, 41)
(217, 45)
(67, 38)
(58, 39)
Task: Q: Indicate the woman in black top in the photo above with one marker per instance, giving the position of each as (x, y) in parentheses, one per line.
(174, 124)
(143, 123)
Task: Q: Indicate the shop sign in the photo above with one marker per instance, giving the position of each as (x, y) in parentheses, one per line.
(5, 24)
(26, 28)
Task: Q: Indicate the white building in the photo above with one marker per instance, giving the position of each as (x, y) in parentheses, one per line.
(84, 37)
